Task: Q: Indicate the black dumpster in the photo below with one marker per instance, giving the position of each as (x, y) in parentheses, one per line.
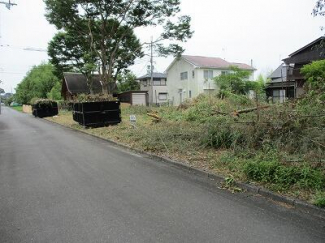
(45, 109)
(97, 114)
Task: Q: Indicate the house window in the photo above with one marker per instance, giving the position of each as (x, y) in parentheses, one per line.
(208, 91)
(159, 82)
(162, 96)
(224, 72)
(279, 95)
(184, 76)
(208, 74)
(190, 94)
(144, 83)
(193, 74)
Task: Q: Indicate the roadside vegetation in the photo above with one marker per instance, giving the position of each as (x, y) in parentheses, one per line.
(18, 108)
(279, 146)
(40, 82)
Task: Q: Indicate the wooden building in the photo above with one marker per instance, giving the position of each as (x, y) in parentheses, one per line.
(287, 81)
(76, 83)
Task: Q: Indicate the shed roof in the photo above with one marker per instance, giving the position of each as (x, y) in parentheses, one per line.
(77, 83)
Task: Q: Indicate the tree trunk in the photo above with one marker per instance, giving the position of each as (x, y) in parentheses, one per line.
(105, 89)
(90, 82)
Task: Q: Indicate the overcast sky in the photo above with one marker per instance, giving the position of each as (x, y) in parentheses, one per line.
(237, 30)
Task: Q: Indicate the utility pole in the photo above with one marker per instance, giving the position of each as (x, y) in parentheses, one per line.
(0, 99)
(151, 69)
(8, 4)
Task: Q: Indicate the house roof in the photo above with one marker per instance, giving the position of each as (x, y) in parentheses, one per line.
(212, 62)
(155, 75)
(279, 74)
(308, 45)
(77, 83)
(6, 95)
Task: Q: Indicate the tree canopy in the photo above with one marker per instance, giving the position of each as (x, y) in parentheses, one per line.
(319, 8)
(315, 76)
(235, 81)
(127, 82)
(38, 83)
(100, 34)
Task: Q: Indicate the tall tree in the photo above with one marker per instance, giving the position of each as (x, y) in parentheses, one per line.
(38, 82)
(108, 29)
(127, 82)
(319, 8)
(68, 53)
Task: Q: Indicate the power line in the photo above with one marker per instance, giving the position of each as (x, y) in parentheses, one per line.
(8, 4)
(37, 49)
(11, 73)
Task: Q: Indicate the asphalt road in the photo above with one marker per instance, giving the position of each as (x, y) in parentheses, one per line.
(57, 185)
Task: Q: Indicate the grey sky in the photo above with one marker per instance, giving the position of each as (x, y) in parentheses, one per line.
(238, 30)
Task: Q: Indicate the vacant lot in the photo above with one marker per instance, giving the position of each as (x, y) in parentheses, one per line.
(278, 146)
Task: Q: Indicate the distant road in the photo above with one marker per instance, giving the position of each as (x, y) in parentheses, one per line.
(57, 185)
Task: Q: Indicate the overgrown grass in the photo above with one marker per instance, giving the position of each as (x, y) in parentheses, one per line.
(17, 108)
(281, 147)
(319, 199)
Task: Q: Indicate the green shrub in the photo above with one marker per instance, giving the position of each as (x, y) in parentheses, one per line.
(319, 199)
(218, 133)
(285, 176)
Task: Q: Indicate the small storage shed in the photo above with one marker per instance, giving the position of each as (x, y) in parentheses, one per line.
(134, 97)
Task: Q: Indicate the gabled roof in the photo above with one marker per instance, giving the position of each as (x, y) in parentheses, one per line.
(77, 83)
(211, 62)
(279, 74)
(308, 45)
(155, 75)
(206, 62)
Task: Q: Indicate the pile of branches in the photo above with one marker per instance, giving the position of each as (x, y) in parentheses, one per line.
(93, 98)
(37, 101)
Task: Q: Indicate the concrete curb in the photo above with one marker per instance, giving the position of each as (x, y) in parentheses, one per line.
(257, 190)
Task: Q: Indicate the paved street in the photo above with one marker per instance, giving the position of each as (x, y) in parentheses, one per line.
(57, 185)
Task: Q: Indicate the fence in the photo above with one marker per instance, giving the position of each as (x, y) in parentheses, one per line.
(27, 109)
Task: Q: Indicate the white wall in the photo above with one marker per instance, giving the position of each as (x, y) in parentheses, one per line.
(207, 84)
(197, 84)
(153, 92)
(174, 82)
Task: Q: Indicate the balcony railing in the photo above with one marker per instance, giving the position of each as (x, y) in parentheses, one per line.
(294, 73)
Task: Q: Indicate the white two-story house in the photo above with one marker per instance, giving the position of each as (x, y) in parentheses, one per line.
(157, 89)
(189, 76)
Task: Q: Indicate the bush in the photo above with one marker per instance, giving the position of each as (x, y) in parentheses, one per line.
(319, 199)
(9, 101)
(218, 132)
(285, 176)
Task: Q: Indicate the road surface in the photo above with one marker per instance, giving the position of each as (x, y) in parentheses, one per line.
(57, 185)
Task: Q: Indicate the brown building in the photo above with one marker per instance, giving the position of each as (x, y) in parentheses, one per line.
(287, 81)
(76, 83)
